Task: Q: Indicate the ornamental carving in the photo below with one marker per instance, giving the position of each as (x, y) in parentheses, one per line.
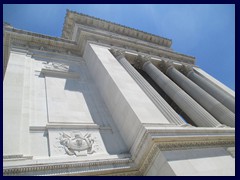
(57, 67)
(141, 60)
(77, 144)
(118, 53)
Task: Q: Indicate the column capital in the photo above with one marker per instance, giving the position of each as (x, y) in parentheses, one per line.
(144, 57)
(187, 69)
(167, 65)
(118, 53)
(141, 60)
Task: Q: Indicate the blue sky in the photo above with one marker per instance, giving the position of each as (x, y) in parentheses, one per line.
(206, 32)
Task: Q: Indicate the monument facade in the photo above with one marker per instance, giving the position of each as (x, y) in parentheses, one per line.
(105, 99)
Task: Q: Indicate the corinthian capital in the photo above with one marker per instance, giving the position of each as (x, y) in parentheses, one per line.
(118, 53)
(141, 60)
(187, 69)
(167, 64)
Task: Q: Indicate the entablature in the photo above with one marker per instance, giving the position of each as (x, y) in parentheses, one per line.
(73, 18)
(38, 41)
(84, 34)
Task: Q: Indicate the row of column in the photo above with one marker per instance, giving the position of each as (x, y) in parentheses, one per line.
(194, 111)
(213, 106)
(219, 94)
(204, 109)
(159, 102)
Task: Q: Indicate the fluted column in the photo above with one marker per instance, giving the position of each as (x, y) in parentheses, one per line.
(194, 111)
(223, 97)
(159, 102)
(214, 107)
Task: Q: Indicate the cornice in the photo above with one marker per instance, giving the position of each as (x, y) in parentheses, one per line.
(28, 41)
(92, 167)
(42, 36)
(175, 138)
(156, 52)
(21, 37)
(95, 29)
(73, 17)
(25, 38)
(181, 145)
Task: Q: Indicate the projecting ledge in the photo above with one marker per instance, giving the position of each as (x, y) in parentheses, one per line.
(192, 130)
(68, 126)
(60, 74)
(193, 136)
(178, 138)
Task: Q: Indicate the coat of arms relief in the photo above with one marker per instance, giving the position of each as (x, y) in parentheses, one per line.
(77, 144)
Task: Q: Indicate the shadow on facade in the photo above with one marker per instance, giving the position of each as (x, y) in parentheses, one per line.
(100, 115)
(175, 107)
(98, 111)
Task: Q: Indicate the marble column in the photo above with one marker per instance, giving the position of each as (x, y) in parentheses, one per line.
(194, 111)
(159, 102)
(214, 107)
(222, 96)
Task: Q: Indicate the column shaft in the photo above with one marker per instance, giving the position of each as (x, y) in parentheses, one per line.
(214, 107)
(160, 103)
(196, 112)
(223, 97)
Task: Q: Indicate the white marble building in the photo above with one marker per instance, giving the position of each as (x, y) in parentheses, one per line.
(105, 99)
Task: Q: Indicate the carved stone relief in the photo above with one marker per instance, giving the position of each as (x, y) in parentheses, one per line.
(77, 144)
(57, 67)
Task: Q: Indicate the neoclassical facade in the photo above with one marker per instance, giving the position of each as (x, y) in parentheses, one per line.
(105, 99)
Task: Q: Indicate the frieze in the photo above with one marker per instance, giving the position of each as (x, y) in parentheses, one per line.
(170, 146)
